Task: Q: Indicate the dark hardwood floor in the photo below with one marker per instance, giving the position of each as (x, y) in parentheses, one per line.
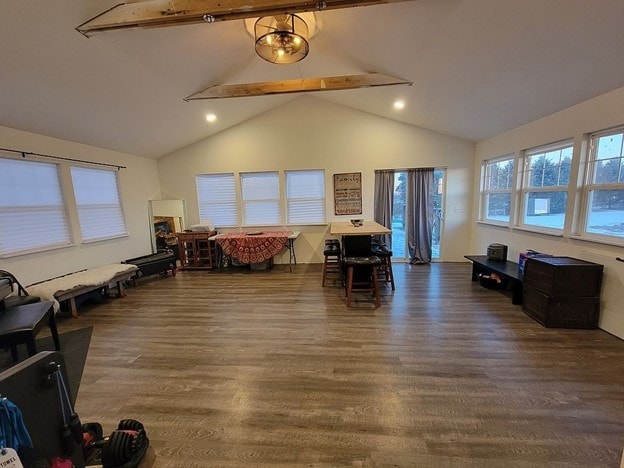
(270, 369)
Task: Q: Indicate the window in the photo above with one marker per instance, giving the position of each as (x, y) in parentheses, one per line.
(32, 211)
(216, 198)
(545, 182)
(305, 197)
(260, 198)
(604, 194)
(497, 182)
(97, 200)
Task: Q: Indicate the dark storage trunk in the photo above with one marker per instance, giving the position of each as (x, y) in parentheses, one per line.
(563, 276)
(562, 292)
(561, 311)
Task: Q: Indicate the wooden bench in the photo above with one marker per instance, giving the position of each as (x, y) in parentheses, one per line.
(68, 287)
(508, 270)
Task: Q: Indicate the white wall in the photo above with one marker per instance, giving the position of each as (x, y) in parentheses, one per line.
(310, 133)
(596, 114)
(138, 184)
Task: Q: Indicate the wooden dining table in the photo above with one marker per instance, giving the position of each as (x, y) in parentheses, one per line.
(356, 240)
(347, 228)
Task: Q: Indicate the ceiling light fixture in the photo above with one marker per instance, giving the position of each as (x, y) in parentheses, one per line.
(398, 105)
(211, 118)
(281, 39)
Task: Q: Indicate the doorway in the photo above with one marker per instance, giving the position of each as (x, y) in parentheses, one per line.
(399, 238)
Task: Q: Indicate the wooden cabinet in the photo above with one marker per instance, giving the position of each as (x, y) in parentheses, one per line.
(196, 250)
(562, 292)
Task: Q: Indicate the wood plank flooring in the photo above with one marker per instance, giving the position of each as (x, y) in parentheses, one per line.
(270, 369)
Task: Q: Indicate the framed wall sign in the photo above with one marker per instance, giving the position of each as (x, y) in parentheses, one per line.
(348, 193)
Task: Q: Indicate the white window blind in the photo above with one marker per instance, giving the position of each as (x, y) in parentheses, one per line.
(305, 197)
(32, 212)
(216, 198)
(260, 196)
(99, 208)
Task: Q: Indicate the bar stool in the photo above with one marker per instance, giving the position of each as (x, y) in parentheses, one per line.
(333, 259)
(367, 268)
(385, 254)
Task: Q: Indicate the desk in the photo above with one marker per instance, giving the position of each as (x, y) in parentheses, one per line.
(256, 248)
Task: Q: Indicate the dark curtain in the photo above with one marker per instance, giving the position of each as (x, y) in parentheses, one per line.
(384, 198)
(419, 224)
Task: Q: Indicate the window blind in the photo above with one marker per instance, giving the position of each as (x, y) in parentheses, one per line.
(260, 196)
(98, 203)
(32, 212)
(216, 198)
(305, 197)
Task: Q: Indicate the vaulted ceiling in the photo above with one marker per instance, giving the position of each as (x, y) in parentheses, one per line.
(478, 67)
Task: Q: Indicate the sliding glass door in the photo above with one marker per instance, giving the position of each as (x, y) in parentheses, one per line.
(399, 239)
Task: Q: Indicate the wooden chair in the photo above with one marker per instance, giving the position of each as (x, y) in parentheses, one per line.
(365, 268)
(333, 259)
(385, 270)
(21, 324)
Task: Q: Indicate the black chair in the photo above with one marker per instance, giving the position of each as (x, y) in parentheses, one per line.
(21, 298)
(362, 277)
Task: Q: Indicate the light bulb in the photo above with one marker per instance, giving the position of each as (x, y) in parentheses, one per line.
(280, 52)
(211, 117)
(398, 105)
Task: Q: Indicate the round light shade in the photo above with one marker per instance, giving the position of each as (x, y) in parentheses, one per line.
(281, 39)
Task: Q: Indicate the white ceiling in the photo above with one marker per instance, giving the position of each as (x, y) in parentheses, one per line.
(479, 67)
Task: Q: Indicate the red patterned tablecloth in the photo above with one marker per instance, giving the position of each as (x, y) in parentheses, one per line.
(255, 248)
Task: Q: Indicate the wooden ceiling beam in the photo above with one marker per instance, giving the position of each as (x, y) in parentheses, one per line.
(305, 85)
(161, 13)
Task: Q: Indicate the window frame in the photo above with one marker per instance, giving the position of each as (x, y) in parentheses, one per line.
(61, 209)
(485, 192)
(590, 187)
(244, 204)
(116, 206)
(322, 200)
(237, 210)
(526, 188)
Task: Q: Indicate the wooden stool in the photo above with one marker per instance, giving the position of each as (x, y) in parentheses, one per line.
(370, 284)
(21, 324)
(333, 259)
(385, 254)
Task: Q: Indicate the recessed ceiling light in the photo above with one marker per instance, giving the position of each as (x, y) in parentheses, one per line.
(398, 105)
(211, 117)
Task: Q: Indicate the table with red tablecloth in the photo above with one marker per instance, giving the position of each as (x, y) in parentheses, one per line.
(253, 248)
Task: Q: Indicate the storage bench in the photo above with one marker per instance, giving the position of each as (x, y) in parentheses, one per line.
(158, 263)
(507, 270)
